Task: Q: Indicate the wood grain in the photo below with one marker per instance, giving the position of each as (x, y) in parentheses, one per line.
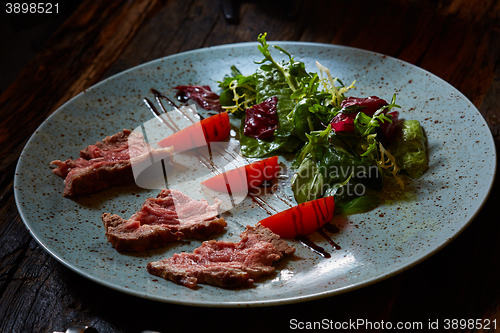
(75, 58)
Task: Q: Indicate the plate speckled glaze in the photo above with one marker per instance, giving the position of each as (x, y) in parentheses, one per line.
(406, 229)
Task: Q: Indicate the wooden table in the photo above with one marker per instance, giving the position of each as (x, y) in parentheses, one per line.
(456, 40)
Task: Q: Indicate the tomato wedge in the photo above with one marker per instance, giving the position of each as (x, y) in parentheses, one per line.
(212, 129)
(302, 219)
(245, 177)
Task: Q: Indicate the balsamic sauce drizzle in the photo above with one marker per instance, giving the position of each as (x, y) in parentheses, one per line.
(181, 97)
(325, 236)
(157, 114)
(263, 204)
(304, 240)
(308, 243)
(209, 164)
(283, 197)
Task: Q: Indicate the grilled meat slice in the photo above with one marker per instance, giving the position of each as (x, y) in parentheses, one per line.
(170, 217)
(226, 264)
(107, 163)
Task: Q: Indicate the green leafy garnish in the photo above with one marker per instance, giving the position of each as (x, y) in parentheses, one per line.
(332, 157)
(291, 70)
(238, 91)
(409, 147)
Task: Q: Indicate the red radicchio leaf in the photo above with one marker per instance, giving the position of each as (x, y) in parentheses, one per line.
(387, 128)
(344, 122)
(202, 95)
(261, 119)
(369, 104)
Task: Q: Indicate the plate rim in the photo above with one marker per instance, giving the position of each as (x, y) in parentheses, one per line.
(289, 300)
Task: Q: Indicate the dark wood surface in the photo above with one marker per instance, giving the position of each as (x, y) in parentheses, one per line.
(456, 40)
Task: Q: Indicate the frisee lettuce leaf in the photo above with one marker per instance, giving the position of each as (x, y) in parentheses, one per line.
(238, 92)
(337, 93)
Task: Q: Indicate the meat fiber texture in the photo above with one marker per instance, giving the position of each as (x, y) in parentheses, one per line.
(171, 216)
(107, 163)
(223, 263)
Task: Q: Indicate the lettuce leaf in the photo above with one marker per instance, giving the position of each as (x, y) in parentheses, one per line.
(409, 148)
(238, 92)
(327, 169)
(271, 83)
(357, 205)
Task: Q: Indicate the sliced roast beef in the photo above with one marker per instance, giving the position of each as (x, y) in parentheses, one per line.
(171, 216)
(223, 263)
(107, 163)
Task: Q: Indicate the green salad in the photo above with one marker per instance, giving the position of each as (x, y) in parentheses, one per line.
(346, 147)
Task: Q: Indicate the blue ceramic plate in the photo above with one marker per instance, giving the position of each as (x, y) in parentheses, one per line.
(406, 229)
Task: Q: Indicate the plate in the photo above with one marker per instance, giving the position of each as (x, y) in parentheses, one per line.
(406, 229)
